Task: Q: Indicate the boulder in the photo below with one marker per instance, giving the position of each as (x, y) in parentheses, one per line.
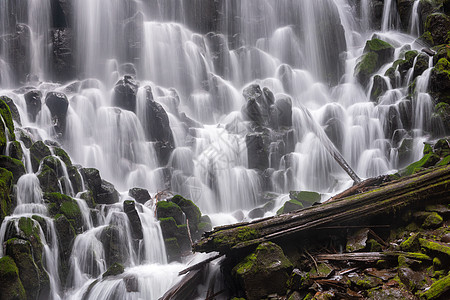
(167, 209)
(440, 81)
(421, 64)
(11, 287)
(102, 190)
(289, 206)
(379, 88)
(133, 216)
(125, 93)
(115, 269)
(306, 198)
(376, 54)
(37, 152)
(438, 24)
(6, 184)
(63, 204)
(257, 107)
(58, 105)
(115, 252)
(258, 150)
(404, 8)
(140, 195)
(13, 108)
(34, 104)
(66, 236)
(284, 111)
(190, 210)
(264, 272)
(13, 165)
(6, 133)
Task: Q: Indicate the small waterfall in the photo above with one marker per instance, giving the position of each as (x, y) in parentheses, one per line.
(414, 23)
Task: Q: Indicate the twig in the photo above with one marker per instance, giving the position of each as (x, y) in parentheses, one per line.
(377, 237)
(189, 232)
(199, 265)
(315, 263)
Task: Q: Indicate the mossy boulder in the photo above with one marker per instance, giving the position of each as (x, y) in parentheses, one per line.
(440, 81)
(13, 165)
(438, 24)
(6, 182)
(442, 111)
(114, 270)
(264, 272)
(63, 204)
(427, 160)
(433, 220)
(36, 280)
(411, 244)
(62, 154)
(173, 250)
(15, 150)
(66, 236)
(115, 251)
(11, 287)
(376, 54)
(191, 211)
(437, 289)
(48, 179)
(5, 115)
(38, 151)
(305, 197)
(289, 206)
(12, 108)
(75, 179)
(167, 209)
(421, 64)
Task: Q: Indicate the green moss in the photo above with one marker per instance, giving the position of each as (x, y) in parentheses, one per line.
(11, 287)
(63, 156)
(305, 197)
(291, 205)
(410, 55)
(437, 289)
(114, 270)
(13, 165)
(191, 210)
(5, 113)
(443, 162)
(368, 63)
(427, 38)
(6, 180)
(427, 149)
(434, 247)
(374, 246)
(377, 45)
(412, 243)
(427, 161)
(443, 65)
(70, 209)
(433, 220)
(167, 209)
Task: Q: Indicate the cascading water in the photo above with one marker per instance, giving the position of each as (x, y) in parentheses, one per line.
(190, 128)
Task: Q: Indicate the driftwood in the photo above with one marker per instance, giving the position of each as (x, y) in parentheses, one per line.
(186, 287)
(387, 198)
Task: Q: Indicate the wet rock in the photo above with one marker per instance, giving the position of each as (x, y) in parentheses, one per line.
(405, 111)
(284, 110)
(134, 32)
(37, 152)
(48, 179)
(305, 197)
(125, 93)
(63, 62)
(103, 191)
(257, 108)
(427, 161)
(357, 241)
(256, 213)
(131, 284)
(190, 210)
(404, 10)
(58, 105)
(6, 184)
(140, 195)
(290, 206)
(433, 220)
(15, 150)
(258, 150)
(442, 112)
(133, 216)
(412, 280)
(167, 209)
(438, 25)
(172, 249)
(18, 55)
(322, 270)
(37, 281)
(440, 81)
(34, 104)
(379, 88)
(13, 109)
(299, 280)
(11, 287)
(263, 272)
(112, 243)
(405, 151)
(115, 269)
(421, 64)
(63, 204)
(158, 128)
(13, 165)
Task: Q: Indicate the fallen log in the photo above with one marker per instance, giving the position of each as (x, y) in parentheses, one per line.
(370, 256)
(387, 198)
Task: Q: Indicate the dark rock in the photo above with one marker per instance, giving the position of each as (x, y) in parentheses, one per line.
(140, 195)
(63, 63)
(421, 64)
(125, 93)
(190, 210)
(133, 216)
(115, 269)
(379, 88)
(284, 109)
(256, 213)
(15, 150)
(440, 81)
(172, 249)
(13, 108)
(11, 287)
(167, 209)
(289, 206)
(106, 194)
(62, 12)
(392, 121)
(34, 104)
(58, 105)
(48, 179)
(438, 25)
(257, 108)
(6, 184)
(405, 110)
(404, 10)
(65, 205)
(258, 150)
(114, 250)
(18, 54)
(411, 279)
(267, 265)
(15, 166)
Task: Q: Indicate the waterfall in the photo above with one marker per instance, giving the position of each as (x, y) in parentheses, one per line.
(227, 103)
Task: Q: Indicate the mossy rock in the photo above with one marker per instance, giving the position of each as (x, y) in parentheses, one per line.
(168, 227)
(437, 289)
(264, 272)
(6, 182)
(15, 166)
(421, 64)
(48, 180)
(442, 111)
(191, 211)
(305, 197)
(75, 179)
(11, 287)
(63, 204)
(115, 251)
(37, 152)
(378, 89)
(440, 81)
(289, 206)
(426, 38)
(66, 236)
(412, 243)
(442, 147)
(5, 115)
(13, 109)
(438, 24)
(427, 161)
(433, 220)
(63, 156)
(167, 209)
(15, 150)
(379, 46)
(367, 66)
(173, 250)
(36, 279)
(114, 270)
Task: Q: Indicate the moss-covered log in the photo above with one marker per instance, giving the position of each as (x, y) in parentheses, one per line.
(417, 189)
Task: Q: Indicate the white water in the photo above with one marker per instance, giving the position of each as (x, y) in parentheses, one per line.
(276, 44)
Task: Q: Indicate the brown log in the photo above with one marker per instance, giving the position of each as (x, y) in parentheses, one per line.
(412, 190)
(369, 256)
